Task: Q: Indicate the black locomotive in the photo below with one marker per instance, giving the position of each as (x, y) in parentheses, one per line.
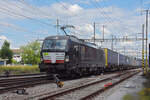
(72, 56)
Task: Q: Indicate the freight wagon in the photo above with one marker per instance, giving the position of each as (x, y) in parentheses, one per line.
(116, 61)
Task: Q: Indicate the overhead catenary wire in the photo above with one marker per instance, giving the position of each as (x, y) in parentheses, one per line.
(67, 9)
(107, 17)
(9, 12)
(11, 26)
(18, 14)
(16, 28)
(34, 8)
(103, 15)
(27, 17)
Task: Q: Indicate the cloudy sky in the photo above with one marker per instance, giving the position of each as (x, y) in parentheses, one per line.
(23, 21)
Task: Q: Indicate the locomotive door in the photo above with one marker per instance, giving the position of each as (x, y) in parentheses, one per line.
(76, 56)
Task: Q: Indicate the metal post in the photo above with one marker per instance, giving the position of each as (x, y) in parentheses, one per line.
(57, 26)
(147, 11)
(103, 32)
(124, 50)
(112, 43)
(143, 48)
(149, 54)
(94, 32)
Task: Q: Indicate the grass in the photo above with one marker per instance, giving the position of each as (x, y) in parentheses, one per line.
(20, 69)
(128, 97)
(144, 94)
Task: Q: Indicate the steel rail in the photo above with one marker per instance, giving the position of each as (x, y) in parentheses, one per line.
(55, 94)
(25, 85)
(19, 79)
(94, 94)
(27, 82)
(4, 76)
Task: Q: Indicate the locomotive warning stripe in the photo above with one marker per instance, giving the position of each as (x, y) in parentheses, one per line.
(57, 61)
(47, 61)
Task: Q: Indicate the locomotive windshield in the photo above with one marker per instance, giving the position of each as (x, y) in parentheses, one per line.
(54, 44)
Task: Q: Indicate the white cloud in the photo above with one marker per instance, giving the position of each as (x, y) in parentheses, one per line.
(64, 9)
(75, 8)
(83, 31)
(2, 39)
(119, 23)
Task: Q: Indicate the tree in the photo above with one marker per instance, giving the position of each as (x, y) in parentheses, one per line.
(31, 53)
(5, 52)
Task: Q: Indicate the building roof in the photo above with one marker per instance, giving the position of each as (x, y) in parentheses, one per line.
(16, 51)
(3, 59)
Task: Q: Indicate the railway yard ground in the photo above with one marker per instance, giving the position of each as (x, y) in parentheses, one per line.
(93, 87)
(124, 90)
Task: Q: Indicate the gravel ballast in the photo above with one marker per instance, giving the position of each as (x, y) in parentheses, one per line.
(45, 88)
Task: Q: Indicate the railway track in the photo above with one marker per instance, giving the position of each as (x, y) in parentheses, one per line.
(35, 74)
(81, 91)
(17, 83)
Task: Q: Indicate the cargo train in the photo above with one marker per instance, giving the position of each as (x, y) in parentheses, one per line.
(68, 55)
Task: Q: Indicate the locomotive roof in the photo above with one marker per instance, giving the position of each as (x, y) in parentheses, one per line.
(73, 38)
(57, 37)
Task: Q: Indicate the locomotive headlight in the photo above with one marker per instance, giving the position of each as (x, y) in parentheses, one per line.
(67, 58)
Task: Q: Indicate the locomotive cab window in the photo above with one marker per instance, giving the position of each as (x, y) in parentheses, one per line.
(55, 44)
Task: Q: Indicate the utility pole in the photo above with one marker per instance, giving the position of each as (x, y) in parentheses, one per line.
(94, 32)
(147, 12)
(112, 43)
(57, 25)
(143, 49)
(103, 32)
(124, 49)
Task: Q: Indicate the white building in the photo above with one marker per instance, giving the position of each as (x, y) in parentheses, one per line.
(17, 55)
